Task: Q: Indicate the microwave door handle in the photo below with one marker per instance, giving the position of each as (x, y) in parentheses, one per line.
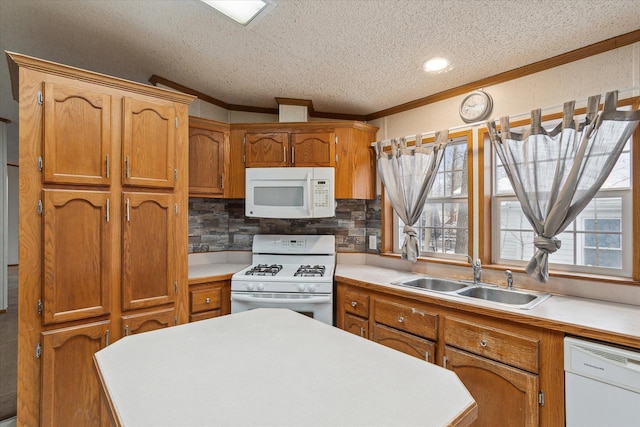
(312, 300)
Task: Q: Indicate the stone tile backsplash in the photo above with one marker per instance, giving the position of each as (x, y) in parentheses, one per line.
(220, 225)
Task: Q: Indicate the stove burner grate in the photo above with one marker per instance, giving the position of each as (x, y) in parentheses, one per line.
(264, 270)
(310, 271)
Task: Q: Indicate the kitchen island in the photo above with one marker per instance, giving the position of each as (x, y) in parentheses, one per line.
(273, 367)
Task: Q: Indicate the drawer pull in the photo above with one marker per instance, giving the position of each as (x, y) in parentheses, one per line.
(483, 343)
(207, 300)
(400, 319)
(354, 303)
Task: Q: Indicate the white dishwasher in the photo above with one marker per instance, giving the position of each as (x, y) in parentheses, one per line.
(602, 385)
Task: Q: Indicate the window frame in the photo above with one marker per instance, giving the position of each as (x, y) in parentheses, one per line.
(389, 218)
(486, 202)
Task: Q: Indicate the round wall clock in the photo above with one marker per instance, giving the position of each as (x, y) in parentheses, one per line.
(476, 106)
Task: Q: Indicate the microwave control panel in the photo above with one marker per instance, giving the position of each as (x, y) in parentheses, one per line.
(321, 194)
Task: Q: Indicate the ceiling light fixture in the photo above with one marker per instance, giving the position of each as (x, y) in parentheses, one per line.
(436, 65)
(241, 11)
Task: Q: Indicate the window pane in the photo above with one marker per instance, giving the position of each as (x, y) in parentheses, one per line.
(443, 226)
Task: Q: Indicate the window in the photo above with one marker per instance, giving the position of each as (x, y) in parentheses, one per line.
(443, 229)
(599, 241)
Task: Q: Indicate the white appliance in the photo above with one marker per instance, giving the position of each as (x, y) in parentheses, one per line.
(290, 192)
(294, 272)
(602, 385)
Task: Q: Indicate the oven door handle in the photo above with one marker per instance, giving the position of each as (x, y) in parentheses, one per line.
(313, 300)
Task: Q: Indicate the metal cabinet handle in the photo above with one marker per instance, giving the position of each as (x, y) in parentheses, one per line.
(400, 319)
(354, 303)
(361, 331)
(126, 167)
(293, 155)
(444, 361)
(483, 343)
(207, 300)
(426, 356)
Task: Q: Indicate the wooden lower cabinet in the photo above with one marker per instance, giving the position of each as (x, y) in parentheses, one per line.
(513, 370)
(506, 396)
(148, 321)
(71, 391)
(406, 343)
(356, 325)
(209, 299)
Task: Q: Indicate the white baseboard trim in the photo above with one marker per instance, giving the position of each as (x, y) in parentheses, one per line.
(9, 422)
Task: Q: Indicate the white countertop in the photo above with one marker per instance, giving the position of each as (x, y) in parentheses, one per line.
(273, 367)
(580, 316)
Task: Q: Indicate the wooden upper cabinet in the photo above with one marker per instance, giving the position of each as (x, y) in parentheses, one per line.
(206, 160)
(312, 149)
(266, 149)
(77, 263)
(148, 143)
(77, 146)
(71, 391)
(355, 163)
(148, 245)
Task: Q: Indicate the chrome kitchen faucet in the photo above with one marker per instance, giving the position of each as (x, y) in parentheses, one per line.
(477, 269)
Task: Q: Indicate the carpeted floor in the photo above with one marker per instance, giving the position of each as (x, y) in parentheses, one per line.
(9, 350)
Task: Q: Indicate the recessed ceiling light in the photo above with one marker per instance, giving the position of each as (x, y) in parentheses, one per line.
(241, 11)
(436, 65)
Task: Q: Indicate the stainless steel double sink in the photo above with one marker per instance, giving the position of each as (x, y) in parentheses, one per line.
(479, 291)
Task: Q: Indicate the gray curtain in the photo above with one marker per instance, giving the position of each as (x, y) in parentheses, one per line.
(556, 174)
(407, 174)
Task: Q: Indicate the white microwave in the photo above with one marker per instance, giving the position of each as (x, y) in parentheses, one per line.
(290, 192)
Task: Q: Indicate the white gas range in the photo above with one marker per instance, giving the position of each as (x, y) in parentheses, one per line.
(288, 271)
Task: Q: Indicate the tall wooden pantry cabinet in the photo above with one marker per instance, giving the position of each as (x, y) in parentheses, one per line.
(103, 225)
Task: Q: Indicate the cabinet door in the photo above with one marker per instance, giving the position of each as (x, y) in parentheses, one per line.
(148, 144)
(513, 396)
(312, 149)
(148, 321)
(71, 391)
(406, 343)
(148, 242)
(355, 164)
(77, 126)
(266, 149)
(206, 161)
(77, 255)
(356, 325)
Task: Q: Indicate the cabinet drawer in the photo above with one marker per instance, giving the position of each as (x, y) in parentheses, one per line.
(406, 343)
(204, 315)
(356, 325)
(356, 303)
(205, 299)
(412, 319)
(500, 345)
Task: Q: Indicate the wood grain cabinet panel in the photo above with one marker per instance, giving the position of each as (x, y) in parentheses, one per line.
(406, 343)
(356, 303)
(356, 325)
(148, 143)
(506, 396)
(206, 161)
(312, 149)
(266, 149)
(71, 392)
(77, 262)
(500, 345)
(413, 319)
(209, 299)
(148, 260)
(77, 126)
(148, 321)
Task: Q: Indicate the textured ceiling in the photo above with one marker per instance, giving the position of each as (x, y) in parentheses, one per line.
(347, 56)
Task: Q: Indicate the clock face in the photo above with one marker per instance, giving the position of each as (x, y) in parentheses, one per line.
(476, 106)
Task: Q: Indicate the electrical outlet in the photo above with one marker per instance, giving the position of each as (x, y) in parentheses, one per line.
(373, 242)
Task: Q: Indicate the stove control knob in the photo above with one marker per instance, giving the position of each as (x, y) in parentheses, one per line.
(301, 287)
(250, 286)
(260, 286)
(312, 287)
